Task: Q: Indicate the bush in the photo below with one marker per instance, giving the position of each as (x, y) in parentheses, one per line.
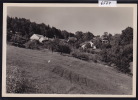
(94, 57)
(57, 46)
(121, 56)
(105, 56)
(89, 50)
(33, 44)
(80, 55)
(128, 52)
(18, 45)
(106, 46)
(124, 57)
(123, 65)
(64, 48)
(18, 39)
(16, 83)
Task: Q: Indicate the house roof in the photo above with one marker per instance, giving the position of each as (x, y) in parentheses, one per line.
(38, 35)
(85, 42)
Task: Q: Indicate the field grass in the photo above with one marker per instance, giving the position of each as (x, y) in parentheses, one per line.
(53, 73)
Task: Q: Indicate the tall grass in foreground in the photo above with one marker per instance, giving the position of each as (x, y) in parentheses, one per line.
(16, 83)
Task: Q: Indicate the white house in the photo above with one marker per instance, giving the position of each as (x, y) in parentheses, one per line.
(91, 43)
(105, 41)
(73, 39)
(43, 38)
(83, 46)
(94, 47)
(38, 37)
(35, 37)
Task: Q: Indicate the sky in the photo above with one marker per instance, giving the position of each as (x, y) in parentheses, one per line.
(93, 19)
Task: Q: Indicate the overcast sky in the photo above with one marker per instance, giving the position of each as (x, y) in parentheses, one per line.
(94, 19)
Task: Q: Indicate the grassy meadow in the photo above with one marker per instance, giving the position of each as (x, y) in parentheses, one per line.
(43, 71)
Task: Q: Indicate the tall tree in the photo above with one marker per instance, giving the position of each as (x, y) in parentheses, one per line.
(126, 36)
(79, 35)
(88, 36)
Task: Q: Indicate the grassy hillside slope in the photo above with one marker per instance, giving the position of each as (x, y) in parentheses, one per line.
(52, 73)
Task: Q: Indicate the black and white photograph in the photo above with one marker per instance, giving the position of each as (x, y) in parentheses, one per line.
(69, 50)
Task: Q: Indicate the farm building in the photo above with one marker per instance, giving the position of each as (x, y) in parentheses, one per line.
(105, 41)
(72, 39)
(88, 45)
(43, 39)
(38, 37)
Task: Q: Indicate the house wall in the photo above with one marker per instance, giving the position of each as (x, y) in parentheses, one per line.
(34, 37)
(104, 41)
(42, 39)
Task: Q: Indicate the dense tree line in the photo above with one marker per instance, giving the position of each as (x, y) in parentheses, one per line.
(26, 28)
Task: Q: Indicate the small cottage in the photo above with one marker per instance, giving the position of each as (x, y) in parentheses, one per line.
(43, 39)
(72, 39)
(105, 41)
(85, 45)
(38, 37)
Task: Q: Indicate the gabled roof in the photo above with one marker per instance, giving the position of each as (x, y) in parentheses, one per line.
(38, 35)
(86, 42)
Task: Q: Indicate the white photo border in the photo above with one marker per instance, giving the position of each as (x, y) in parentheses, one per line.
(4, 46)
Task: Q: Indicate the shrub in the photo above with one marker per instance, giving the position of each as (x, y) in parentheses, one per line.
(94, 57)
(33, 44)
(53, 45)
(128, 52)
(58, 46)
(124, 57)
(123, 65)
(18, 39)
(121, 56)
(18, 45)
(89, 50)
(64, 48)
(16, 83)
(80, 55)
(106, 46)
(104, 55)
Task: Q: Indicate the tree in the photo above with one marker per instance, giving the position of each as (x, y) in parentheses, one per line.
(65, 34)
(126, 36)
(88, 36)
(115, 40)
(79, 35)
(97, 42)
(28, 28)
